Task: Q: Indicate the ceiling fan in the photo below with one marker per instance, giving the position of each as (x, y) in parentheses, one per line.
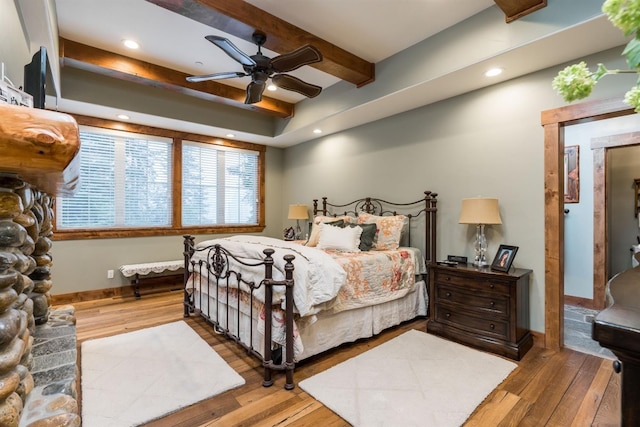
(261, 68)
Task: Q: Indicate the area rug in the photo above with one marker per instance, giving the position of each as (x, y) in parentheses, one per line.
(133, 378)
(415, 379)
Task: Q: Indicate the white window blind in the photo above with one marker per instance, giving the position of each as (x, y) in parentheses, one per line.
(125, 181)
(219, 185)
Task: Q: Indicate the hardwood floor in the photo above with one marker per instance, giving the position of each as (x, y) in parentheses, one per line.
(565, 388)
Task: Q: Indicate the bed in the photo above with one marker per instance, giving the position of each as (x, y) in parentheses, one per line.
(361, 270)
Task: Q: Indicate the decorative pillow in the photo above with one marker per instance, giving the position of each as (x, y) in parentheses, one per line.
(389, 230)
(315, 230)
(367, 236)
(339, 239)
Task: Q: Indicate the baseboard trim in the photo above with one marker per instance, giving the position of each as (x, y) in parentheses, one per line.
(147, 285)
(579, 301)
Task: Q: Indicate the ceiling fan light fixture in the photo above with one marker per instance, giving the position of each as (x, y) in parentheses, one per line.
(260, 68)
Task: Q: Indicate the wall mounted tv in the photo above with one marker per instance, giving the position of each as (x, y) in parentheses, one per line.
(35, 77)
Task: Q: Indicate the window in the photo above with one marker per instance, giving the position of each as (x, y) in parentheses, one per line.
(125, 181)
(219, 185)
(145, 181)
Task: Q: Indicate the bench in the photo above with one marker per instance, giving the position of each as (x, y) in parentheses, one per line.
(137, 270)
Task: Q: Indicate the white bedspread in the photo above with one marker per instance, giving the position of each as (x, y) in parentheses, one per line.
(321, 275)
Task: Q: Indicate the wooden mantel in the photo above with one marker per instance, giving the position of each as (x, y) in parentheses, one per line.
(40, 147)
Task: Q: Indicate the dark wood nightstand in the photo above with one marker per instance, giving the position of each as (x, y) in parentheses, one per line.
(482, 308)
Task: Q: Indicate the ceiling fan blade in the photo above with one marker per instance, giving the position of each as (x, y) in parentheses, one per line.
(254, 91)
(294, 84)
(231, 50)
(307, 54)
(216, 76)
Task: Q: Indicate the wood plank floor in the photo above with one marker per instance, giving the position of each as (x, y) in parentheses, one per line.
(565, 388)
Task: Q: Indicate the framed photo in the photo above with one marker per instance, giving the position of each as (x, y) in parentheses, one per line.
(572, 174)
(289, 233)
(504, 258)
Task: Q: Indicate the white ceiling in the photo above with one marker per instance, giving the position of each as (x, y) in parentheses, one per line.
(375, 30)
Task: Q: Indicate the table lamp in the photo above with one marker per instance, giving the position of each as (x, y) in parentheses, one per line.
(298, 212)
(480, 211)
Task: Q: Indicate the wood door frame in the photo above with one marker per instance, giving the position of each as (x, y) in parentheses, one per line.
(554, 121)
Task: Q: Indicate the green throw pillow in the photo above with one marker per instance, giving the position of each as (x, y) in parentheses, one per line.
(367, 236)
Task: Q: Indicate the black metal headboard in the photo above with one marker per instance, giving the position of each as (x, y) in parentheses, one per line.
(380, 207)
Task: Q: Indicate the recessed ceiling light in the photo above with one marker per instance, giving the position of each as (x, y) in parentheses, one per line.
(271, 87)
(230, 135)
(123, 117)
(317, 131)
(493, 72)
(130, 44)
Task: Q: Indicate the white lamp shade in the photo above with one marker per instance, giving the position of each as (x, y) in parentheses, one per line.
(298, 212)
(480, 211)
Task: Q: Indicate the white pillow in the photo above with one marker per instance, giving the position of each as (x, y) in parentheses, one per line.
(339, 239)
(315, 230)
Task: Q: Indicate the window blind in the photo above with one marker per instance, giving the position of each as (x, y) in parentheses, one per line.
(125, 181)
(219, 185)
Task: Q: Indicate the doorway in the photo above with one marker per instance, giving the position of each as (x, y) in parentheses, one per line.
(554, 121)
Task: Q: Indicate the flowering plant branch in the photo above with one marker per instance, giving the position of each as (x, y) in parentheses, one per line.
(577, 81)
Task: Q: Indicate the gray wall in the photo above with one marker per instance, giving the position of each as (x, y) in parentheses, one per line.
(488, 142)
(623, 165)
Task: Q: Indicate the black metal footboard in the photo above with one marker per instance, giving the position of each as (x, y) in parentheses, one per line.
(216, 271)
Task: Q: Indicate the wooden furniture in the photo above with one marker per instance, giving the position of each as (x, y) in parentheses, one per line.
(485, 309)
(617, 328)
(160, 267)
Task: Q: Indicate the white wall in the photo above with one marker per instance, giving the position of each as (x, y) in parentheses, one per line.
(488, 142)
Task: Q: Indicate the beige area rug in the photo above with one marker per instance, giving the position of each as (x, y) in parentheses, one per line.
(133, 378)
(415, 379)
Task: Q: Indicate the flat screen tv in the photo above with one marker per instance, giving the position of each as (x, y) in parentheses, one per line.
(35, 77)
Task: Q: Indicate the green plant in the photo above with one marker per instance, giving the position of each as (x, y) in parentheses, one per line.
(577, 81)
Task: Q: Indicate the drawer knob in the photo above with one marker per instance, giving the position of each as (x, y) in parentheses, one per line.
(492, 326)
(448, 294)
(448, 315)
(447, 278)
(491, 285)
(492, 304)
(617, 366)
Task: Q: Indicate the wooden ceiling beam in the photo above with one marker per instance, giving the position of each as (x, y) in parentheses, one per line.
(514, 9)
(242, 19)
(110, 64)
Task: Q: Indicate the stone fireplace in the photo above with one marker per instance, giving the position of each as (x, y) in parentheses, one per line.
(38, 162)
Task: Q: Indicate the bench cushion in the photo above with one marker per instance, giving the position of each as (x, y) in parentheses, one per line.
(151, 267)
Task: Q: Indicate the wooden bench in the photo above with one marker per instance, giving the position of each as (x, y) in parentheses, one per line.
(137, 270)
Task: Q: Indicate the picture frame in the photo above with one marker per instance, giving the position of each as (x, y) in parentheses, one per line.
(572, 174)
(504, 258)
(288, 233)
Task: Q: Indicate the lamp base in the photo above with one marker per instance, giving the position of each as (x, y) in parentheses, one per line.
(481, 264)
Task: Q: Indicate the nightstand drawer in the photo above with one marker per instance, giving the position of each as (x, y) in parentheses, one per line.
(477, 284)
(482, 325)
(498, 304)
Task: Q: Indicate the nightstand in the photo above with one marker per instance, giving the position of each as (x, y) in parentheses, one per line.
(482, 308)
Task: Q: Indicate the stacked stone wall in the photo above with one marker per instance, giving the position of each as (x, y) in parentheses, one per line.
(26, 227)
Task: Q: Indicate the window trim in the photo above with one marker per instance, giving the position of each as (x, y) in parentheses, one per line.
(176, 229)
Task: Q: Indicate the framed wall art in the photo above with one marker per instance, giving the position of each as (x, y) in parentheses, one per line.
(572, 174)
